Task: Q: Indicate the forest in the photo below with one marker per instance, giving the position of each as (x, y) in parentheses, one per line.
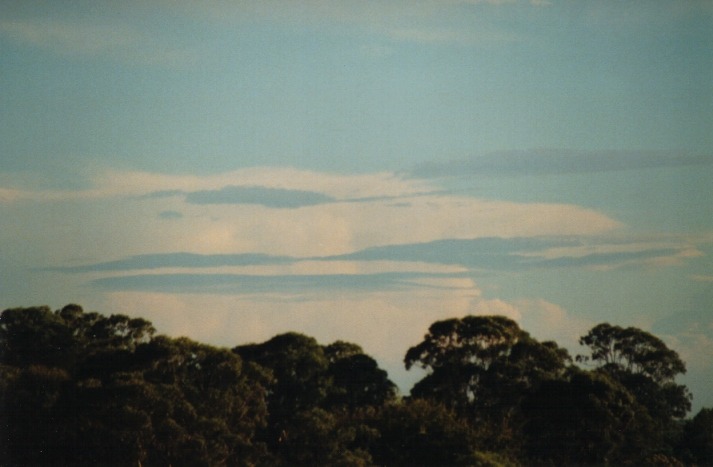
(82, 388)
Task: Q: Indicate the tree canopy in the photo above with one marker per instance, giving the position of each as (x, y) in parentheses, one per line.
(82, 388)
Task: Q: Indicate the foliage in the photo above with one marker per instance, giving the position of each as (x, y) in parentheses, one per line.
(633, 351)
(478, 360)
(421, 432)
(99, 390)
(482, 367)
(696, 445)
(647, 368)
(583, 418)
(81, 388)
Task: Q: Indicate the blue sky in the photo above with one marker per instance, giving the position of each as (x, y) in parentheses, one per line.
(358, 170)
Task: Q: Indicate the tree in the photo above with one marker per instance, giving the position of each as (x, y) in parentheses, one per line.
(696, 445)
(643, 363)
(99, 390)
(357, 381)
(633, 351)
(37, 335)
(584, 418)
(423, 432)
(482, 367)
(320, 437)
(481, 362)
(298, 366)
(309, 379)
(647, 368)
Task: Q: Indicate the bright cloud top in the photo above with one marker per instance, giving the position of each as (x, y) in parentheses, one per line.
(295, 213)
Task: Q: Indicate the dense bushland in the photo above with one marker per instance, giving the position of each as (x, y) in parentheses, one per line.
(79, 388)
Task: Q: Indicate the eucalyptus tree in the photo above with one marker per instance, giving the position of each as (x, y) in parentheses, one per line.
(482, 367)
(647, 368)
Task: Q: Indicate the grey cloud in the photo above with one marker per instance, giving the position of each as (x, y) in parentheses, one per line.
(269, 197)
(504, 253)
(244, 284)
(179, 260)
(170, 215)
(481, 254)
(534, 162)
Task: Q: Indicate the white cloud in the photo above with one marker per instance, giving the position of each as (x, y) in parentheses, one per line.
(385, 324)
(548, 321)
(490, 307)
(391, 211)
(544, 320)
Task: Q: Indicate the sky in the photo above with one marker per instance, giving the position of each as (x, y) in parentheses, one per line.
(357, 170)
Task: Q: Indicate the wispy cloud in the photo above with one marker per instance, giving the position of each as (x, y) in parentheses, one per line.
(114, 40)
(256, 284)
(421, 21)
(179, 260)
(519, 254)
(270, 197)
(534, 162)
(257, 182)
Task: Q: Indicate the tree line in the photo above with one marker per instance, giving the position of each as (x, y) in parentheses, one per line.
(82, 388)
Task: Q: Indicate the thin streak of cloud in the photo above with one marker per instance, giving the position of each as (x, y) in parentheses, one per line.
(544, 161)
(174, 260)
(702, 278)
(420, 21)
(251, 284)
(518, 254)
(336, 186)
(123, 184)
(113, 40)
(269, 197)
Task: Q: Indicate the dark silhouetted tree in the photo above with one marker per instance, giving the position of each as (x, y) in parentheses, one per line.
(482, 367)
(696, 446)
(647, 368)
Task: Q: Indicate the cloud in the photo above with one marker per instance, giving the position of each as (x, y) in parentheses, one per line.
(8, 195)
(385, 322)
(702, 278)
(279, 179)
(70, 38)
(240, 284)
(178, 260)
(365, 210)
(538, 162)
(170, 215)
(421, 21)
(269, 197)
(443, 264)
(523, 253)
(119, 41)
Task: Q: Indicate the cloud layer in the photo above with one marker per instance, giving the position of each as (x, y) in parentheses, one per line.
(547, 162)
